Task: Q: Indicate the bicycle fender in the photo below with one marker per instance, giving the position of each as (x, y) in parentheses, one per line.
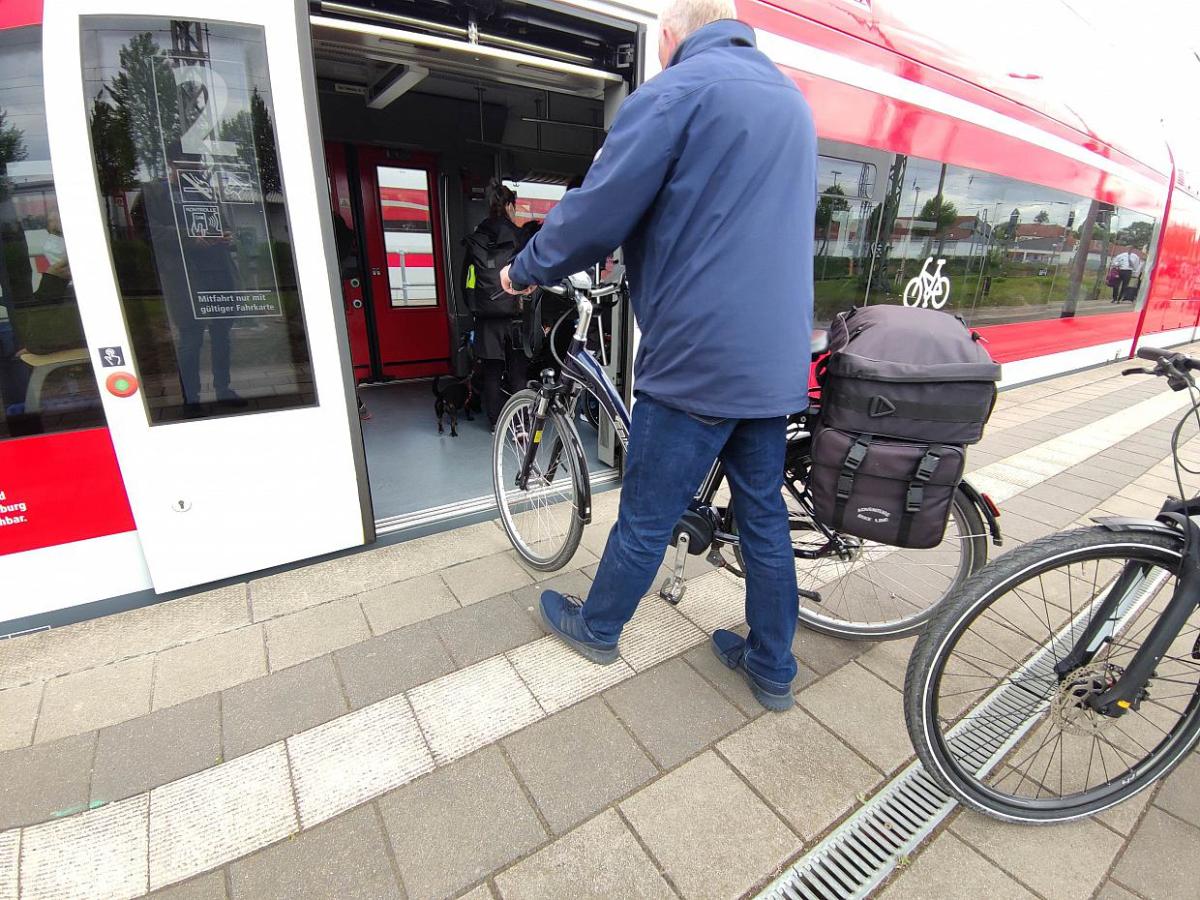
(1131, 523)
(583, 484)
(985, 510)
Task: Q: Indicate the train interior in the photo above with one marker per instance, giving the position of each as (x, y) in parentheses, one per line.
(421, 106)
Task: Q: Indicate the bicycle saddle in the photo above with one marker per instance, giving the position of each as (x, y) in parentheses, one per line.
(820, 341)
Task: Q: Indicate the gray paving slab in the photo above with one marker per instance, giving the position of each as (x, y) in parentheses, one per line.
(1180, 793)
(485, 628)
(45, 779)
(345, 858)
(673, 711)
(1048, 859)
(731, 684)
(889, 660)
(279, 705)
(458, 824)
(391, 663)
(1124, 817)
(1015, 527)
(599, 860)
(97, 642)
(823, 653)
(712, 836)
(151, 750)
(1161, 860)
(310, 633)
(1039, 511)
(808, 775)
(1061, 497)
(209, 665)
(948, 868)
(577, 583)
(84, 701)
(1110, 890)
(864, 711)
(1102, 465)
(577, 762)
(18, 714)
(482, 892)
(406, 602)
(206, 887)
(479, 579)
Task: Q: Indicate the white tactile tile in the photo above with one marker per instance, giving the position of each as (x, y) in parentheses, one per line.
(100, 853)
(715, 601)
(473, 707)
(656, 633)
(356, 757)
(10, 844)
(559, 677)
(204, 820)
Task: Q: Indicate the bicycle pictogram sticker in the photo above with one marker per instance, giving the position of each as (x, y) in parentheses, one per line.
(928, 289)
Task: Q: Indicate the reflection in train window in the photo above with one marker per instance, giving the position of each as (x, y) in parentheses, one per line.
(407, 235)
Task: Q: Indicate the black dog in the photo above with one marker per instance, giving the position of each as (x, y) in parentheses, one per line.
(453, 398)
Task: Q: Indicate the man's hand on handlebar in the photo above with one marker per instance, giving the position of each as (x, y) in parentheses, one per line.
(510, 288)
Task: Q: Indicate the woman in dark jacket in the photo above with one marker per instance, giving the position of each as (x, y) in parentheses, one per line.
(498, 338)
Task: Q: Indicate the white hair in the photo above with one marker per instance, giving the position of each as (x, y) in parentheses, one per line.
(686, 16)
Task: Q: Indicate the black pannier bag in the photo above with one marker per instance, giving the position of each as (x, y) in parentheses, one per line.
(903, 391)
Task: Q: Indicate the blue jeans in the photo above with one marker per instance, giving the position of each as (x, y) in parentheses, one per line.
(670, 452)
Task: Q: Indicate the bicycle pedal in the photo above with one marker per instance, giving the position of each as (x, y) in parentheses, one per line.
(814, 596)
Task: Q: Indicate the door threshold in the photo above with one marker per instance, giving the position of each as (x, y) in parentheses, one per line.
(423, 519)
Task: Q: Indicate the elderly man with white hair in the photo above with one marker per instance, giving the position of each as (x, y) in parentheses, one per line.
(708, 181)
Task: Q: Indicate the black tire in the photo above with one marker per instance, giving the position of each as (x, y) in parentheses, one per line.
(555, 505)
(965, 549)
(1028, 702)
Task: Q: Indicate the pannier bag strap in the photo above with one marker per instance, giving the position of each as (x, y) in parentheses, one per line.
(845, 483)
(915, 497)
(906, 409)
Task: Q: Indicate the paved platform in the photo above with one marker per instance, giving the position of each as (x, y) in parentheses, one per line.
(395, 724)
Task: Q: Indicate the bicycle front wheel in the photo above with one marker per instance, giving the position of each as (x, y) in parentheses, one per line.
(995, 723)
(542, 518)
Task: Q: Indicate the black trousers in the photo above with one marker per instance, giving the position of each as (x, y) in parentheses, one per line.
(1123, 276)
(514, 368)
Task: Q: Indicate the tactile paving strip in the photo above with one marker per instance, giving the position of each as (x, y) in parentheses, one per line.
(207, 819)
(560, 677)
(383, 746)
(473, 707)
(658, 632)
(99, 853)
(10, 845)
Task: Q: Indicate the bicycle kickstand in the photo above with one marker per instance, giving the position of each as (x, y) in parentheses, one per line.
(674, 587)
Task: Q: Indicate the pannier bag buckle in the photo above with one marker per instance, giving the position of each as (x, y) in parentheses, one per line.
(927, 466)
(914, 498)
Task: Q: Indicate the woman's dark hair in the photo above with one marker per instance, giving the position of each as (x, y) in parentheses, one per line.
(499, 198)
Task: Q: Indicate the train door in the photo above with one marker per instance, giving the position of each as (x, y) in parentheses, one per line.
(350, 263)
(402, 226)
(192, 193)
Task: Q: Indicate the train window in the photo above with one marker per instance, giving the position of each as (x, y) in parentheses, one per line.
(184, 146)
(407, 235)
(46, 380)
(994, 249)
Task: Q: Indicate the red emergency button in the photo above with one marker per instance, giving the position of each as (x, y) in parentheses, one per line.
(121, 384)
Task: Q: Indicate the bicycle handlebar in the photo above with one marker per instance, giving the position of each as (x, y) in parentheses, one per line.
(1168, 357)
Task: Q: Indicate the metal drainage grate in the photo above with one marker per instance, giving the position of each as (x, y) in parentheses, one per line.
(857, 857)
(865, 849)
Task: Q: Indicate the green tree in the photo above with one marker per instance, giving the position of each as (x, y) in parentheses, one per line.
(12, 149)
(147, 100)
(1136, 235)
(254, 134)
(941, 212)
(833, 200)
(116, 156)
(1042, 217)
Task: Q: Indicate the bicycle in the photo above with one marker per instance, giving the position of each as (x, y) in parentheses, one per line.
(848, 587)
(1064, 677)
(925, 289)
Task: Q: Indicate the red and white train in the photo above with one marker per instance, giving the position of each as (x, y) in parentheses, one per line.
(219, 222)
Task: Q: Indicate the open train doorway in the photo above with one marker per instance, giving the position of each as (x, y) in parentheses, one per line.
(422, 106)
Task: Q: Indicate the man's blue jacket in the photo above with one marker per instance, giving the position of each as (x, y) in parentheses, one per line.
(708, 181)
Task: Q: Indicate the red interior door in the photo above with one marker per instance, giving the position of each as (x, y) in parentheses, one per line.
(402, 224)
(349, 263)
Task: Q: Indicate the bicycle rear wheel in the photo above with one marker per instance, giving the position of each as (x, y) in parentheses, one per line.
(994, 723)
(542, 519)
(880, 592)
